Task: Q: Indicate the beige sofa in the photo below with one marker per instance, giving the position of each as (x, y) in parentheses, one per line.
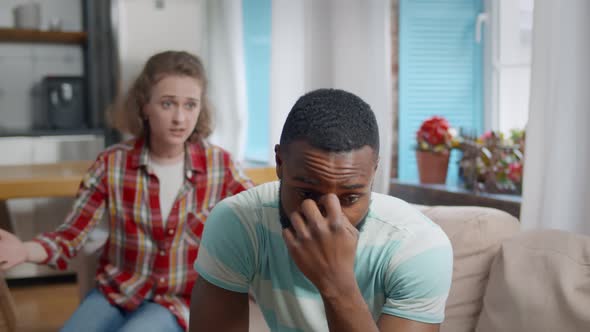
(503, 279)
(512, 281)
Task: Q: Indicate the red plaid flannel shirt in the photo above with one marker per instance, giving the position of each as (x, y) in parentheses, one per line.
(143, 259)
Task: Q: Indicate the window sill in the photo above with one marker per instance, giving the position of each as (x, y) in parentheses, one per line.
(437, 194)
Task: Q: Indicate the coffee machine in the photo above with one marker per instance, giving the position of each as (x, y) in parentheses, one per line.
(64, 102)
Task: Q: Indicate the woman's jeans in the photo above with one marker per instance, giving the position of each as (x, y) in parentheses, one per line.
(96, 314)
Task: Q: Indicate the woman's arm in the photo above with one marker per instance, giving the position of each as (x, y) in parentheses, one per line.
(236, 179)
(63, 244)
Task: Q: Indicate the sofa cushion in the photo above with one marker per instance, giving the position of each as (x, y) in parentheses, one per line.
(476, 234)
(540, 281)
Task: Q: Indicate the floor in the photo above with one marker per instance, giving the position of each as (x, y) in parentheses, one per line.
(44, 307)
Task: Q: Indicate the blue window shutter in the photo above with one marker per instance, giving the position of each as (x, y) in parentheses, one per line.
(440, 73)
(257, 29)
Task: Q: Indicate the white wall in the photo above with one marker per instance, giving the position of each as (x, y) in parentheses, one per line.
(333, 44)
(145, 29)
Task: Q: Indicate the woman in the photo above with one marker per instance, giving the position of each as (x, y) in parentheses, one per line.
(157, 190)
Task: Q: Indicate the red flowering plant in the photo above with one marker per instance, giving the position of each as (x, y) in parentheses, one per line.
(435, 135)
(493, 162)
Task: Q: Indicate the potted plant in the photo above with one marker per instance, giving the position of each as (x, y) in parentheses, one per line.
(493, 162)
(434, 142)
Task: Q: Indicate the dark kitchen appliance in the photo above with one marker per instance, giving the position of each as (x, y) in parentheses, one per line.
(65, 102)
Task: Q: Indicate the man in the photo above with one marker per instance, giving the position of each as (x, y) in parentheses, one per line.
(317, 249)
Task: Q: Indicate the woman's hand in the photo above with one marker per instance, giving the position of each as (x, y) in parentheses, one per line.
(12, 250)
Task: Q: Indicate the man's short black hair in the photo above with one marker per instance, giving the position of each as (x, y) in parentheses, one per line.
(332, 120)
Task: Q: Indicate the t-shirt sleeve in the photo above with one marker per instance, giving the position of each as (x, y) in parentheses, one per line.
(227, 256)
(418, 279)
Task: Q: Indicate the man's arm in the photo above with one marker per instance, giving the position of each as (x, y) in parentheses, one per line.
(347, 311)
(216, 309)
(324, 250)
(394, 324)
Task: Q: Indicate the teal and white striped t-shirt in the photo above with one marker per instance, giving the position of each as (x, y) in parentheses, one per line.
(403, 261)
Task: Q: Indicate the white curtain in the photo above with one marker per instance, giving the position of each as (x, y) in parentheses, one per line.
(343, 44)
(222, 51)
(557, 161)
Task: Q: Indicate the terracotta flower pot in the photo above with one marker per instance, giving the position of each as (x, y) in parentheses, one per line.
(432, 166)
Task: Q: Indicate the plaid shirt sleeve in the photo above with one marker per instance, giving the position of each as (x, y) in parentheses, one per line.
(235, 178)
(63, 244)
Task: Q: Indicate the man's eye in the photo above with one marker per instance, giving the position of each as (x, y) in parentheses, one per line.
(305, 194)
(349, 200)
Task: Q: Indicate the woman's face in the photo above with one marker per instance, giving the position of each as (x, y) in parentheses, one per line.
(173, 110)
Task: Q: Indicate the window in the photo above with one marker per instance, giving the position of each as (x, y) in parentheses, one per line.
(508, 63)
(478, 82)
(440, 72)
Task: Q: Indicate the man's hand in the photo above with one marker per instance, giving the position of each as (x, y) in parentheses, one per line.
(323, 245)
(12, 250)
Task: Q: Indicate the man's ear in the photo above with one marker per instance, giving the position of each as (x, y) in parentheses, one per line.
(278, 161)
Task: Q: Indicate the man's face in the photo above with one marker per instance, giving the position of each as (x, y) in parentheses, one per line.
(309, 173)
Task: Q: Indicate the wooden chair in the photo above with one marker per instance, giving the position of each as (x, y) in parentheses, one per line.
(262, 175)
(7, 307)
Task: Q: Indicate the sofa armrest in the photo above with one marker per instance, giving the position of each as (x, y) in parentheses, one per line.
(476, 234)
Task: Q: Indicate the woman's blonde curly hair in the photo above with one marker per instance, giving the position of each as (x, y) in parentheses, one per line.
(126, 114)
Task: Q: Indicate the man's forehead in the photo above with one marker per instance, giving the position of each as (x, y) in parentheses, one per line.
(301, 149)
(351, 169)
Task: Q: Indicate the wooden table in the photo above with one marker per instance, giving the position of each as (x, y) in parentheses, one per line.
(42, 180)
(63, 179)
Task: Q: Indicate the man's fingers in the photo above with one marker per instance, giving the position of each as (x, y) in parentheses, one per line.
(312, 214)
(298, 224)
(331, 204)
(289, 238)
(351, 229)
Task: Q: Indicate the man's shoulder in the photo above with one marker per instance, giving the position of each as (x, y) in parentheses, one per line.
(251, 203)
(396, 212)
(396, 221)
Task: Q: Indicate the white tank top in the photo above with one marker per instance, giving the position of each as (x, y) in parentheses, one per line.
(170, 177)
